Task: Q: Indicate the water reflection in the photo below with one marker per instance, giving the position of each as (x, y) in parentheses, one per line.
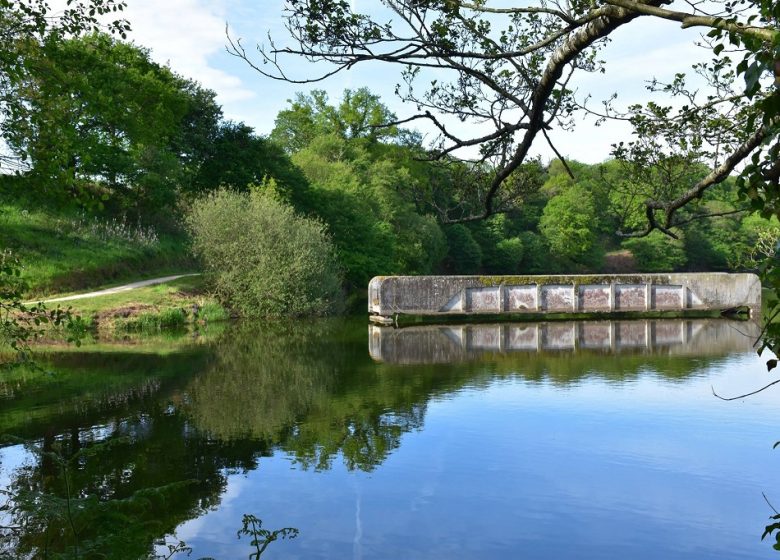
(305, 387)
(440, 344)
(301, 412)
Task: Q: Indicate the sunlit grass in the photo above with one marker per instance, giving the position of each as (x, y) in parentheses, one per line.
(64, 252)
(174, 305)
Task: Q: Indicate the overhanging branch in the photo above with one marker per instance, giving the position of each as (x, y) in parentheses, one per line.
(694, 20)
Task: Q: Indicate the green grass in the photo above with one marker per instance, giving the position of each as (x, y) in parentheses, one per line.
(174, 305)
(68, 251)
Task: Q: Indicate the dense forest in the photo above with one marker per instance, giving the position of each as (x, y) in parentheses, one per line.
(93, 126)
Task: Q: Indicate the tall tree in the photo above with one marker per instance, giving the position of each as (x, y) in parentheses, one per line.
(360, 114)
(97, 118)
(25, 23)
(510, 67)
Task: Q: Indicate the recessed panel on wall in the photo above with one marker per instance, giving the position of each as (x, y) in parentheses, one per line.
(595, 297)
(521, 298)
(668, 297)
(483, 300)
(557, 298)
(630, 297)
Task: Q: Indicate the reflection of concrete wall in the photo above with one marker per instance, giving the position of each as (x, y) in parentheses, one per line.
(447, 295)
(452, 343)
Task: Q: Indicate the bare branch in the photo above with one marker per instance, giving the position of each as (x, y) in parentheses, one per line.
(764, 388)
(691, 20)
(559, 156)
(515, 11)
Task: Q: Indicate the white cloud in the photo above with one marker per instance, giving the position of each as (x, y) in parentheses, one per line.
(187, 35)
(190, 36)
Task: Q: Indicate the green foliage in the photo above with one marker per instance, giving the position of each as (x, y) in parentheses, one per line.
(771, 528)
(171, 318)
(237, 158)
(501, 253)
(464, 255)
(536, 255)
(757, 242)
(262, 257)
(20, 323)
(360, 194)
(252, 526)
(569, 224)
(91, 110)
(359, 116)
(510, 254)
(657, 252)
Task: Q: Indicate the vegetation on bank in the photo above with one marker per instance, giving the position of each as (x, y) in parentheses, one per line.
(71, 250)
(296, 222)
(262, 257)
(178, 304)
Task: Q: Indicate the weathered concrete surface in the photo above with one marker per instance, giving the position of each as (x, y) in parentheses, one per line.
(431, 344)
(615, 293)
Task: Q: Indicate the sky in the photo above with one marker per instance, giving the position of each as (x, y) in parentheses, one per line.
(190, 36)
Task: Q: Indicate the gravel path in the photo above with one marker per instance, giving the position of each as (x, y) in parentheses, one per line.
(123, 288)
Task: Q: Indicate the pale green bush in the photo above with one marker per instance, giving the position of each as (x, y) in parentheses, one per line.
(262, 257)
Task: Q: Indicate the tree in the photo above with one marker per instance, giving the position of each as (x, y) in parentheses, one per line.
(569, 224)
(236, 157)
(95, 117)
(359, 115)
(24, 24)
(510, 67)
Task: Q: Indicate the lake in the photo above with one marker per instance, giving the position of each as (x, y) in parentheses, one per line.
(550, 440)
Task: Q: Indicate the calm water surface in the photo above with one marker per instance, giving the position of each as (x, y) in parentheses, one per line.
(566, 440)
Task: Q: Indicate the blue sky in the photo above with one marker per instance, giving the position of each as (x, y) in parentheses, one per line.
(189, 35)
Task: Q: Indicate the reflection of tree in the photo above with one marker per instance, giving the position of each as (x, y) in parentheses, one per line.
(307, 388)
(113, 451)
(86, 388)
(262, 379)
(114, 490)
(310, 388)
(149, 440)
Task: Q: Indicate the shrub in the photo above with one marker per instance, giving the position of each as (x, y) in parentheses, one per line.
(171, 318)
(262, 258)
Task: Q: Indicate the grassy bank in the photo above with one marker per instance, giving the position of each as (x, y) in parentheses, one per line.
(70, 251)
(172, 306)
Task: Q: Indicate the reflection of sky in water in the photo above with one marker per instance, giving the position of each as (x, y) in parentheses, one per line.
(11, 459)
(502, 455)
(646, 468)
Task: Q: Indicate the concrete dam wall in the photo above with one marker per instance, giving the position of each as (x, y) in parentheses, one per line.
(389, 296)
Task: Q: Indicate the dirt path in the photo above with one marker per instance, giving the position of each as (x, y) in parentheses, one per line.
(123, 288)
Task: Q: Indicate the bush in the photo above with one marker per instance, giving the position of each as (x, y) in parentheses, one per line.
(262, 258)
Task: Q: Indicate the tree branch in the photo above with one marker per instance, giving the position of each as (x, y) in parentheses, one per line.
(692, 20)
(764, 388)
